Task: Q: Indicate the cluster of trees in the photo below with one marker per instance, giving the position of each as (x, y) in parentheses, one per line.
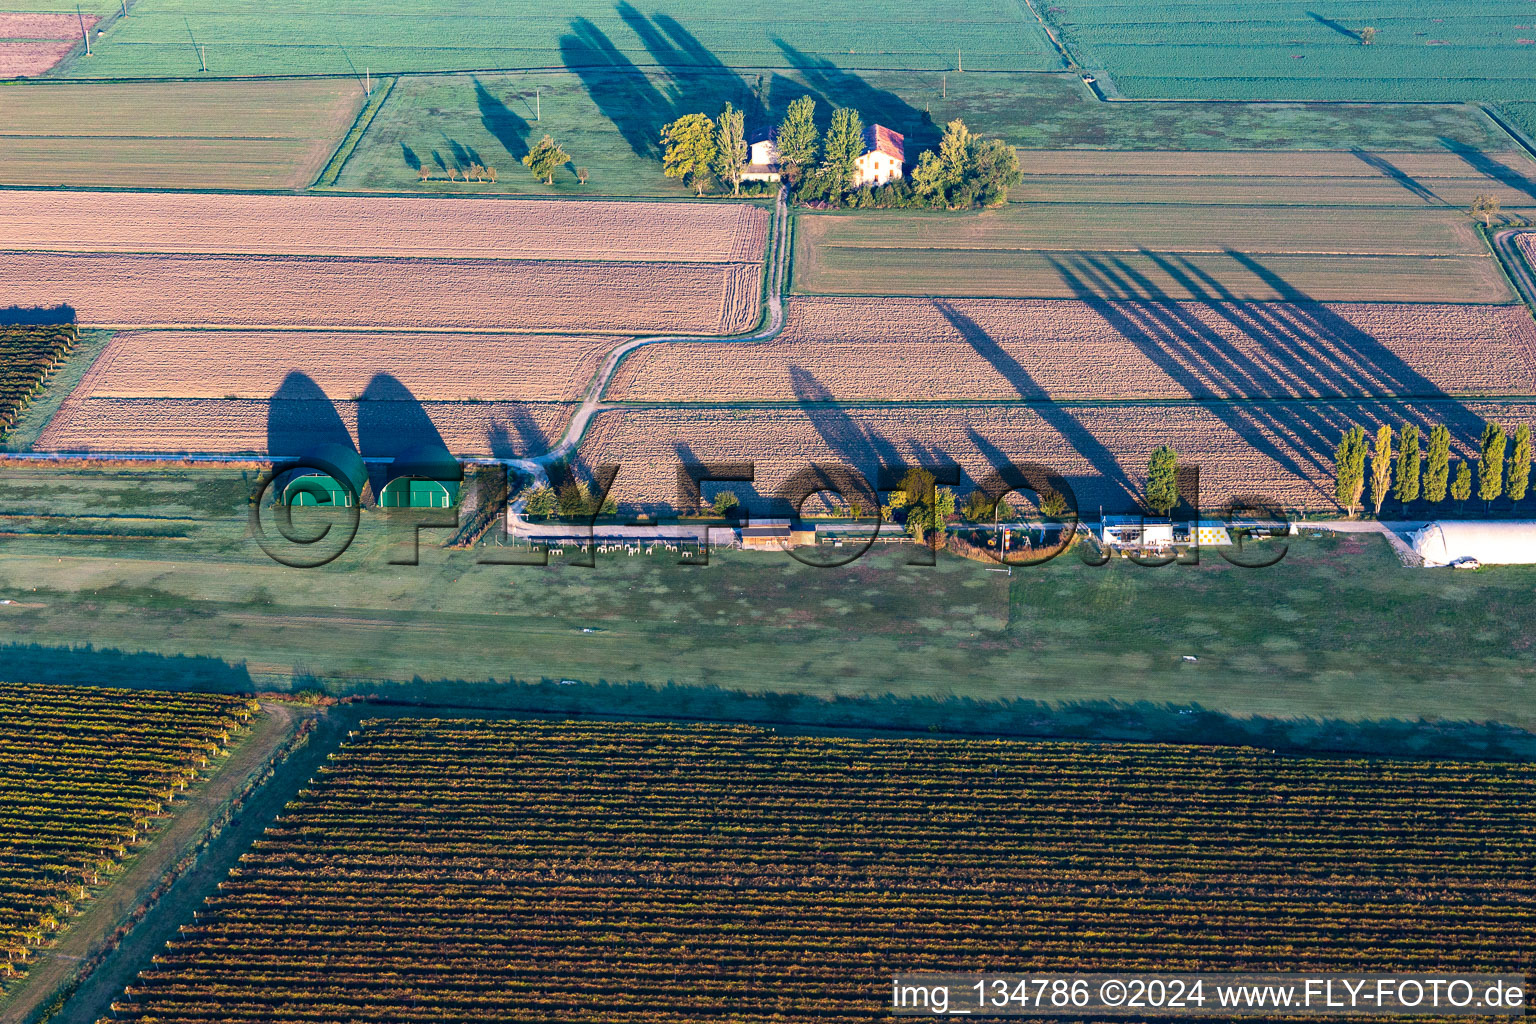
(702, 152)
(1360, 464)
(474, 172)
(573, 498)
(968, 170)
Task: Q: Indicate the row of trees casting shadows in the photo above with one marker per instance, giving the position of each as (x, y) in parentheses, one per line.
(1321, 353)
(1089, 720)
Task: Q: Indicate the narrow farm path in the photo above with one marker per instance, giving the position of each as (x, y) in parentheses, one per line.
(145, 872)
(592, 403)
(1515, 263)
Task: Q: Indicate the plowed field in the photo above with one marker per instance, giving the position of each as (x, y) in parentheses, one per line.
(902, 349)
(1279, 450)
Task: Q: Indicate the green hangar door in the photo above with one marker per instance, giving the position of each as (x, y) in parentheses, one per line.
(413, 493)
(424, 477)
(316, 489)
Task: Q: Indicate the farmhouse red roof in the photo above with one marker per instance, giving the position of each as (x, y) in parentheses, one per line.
(877, 137)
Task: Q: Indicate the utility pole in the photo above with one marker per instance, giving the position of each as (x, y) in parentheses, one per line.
(125, 8)
(959, 64)
(367, 81)
(84, 32)
(202, 57)
(538, 105)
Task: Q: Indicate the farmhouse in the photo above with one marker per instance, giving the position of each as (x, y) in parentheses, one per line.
(762, 159)
(884, 153)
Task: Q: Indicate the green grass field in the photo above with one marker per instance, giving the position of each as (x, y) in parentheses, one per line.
(1135, 249)
(1228, 49)
(257, 37)
(159, 561)
(609, 120)
(173, 134)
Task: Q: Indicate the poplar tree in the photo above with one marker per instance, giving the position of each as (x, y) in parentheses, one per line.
(844, 145)
(797, 140)
(1406, 489)
(1438, 472)
(1349, 468)
(1520, 463)
(1490, 464)
(1381, 466)
(731, 147)
(1162, 480)
(1461, 487)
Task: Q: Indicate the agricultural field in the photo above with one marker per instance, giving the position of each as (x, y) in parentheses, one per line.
(579, 868)
(933, 351)
(393, 422)
(32, 43)
(609, 120)
(28, 355)
(320, 225)
(1450, 178)
(431, 367)
(1280, 451)
(88, 774)
(173, 260)
(274, 134)
(1227, 49)
(349, 37)
(1130, 250)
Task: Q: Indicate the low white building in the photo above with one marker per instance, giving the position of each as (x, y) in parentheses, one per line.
(885, 153)
(762, 159)
(1488, 543)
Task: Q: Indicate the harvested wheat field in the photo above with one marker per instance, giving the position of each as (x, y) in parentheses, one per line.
(290, 427)
(342, 366)
(420, 228)
(32, 43)
(908, 349)
(1280, 451)
(116, 290)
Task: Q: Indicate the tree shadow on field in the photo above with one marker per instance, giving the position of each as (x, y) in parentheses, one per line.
(1058, 418)
(506, 126)
(1398, 175)
(1313, 376)
(623, 93)
(530, 439)
(301, 417)
(1329, 23)
(411, 159)
(853, 443)
(1485, 165)
(832, 86)
(36, 316)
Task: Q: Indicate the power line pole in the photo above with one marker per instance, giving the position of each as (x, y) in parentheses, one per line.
(538, 105)
(367, 81)
(959, 64)
(125, 7)
(944, 85)
(202, 57)
(84, 32)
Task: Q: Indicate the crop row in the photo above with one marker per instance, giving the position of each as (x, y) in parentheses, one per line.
(27, 356)
(528, 871)
(85, 775)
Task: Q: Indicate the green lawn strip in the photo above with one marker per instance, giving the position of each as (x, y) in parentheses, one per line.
(1338, 629)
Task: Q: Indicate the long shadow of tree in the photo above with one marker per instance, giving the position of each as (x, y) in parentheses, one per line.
(685, 77)
(1088, 447)
(1288, 404)
(1485, 165)
(507, 127)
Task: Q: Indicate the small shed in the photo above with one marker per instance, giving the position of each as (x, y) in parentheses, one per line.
(1448, 542)
(765, 538)
(1135, 531)
(762, 159)
(427, 476)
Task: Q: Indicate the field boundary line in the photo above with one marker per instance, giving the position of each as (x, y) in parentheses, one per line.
(349, 142)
